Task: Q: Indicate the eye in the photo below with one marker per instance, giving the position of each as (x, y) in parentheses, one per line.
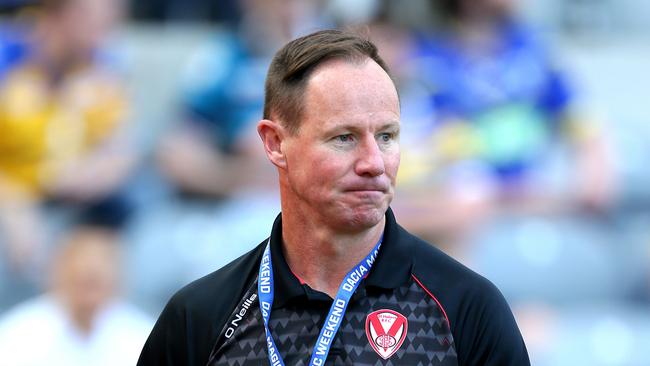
(344, 138)
(386, 137)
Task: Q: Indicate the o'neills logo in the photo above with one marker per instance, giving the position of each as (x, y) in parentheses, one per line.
(386, 331)
(234, 323)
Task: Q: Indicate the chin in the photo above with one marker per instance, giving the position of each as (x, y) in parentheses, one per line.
(363, 219)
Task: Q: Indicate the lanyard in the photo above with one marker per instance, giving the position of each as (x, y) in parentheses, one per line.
(334, 317)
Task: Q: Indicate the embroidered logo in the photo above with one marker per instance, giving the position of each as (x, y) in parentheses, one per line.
(386, 331)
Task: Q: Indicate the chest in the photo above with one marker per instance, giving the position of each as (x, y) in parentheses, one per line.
(392, 327)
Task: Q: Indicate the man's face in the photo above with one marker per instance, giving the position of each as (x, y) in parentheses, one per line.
(342, 163)
(87, 272)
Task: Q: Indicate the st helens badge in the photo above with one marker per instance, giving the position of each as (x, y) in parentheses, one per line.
(386, 331)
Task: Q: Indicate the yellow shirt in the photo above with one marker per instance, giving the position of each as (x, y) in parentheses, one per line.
(43, 129)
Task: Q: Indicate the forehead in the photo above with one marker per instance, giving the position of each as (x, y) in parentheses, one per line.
(342, 90)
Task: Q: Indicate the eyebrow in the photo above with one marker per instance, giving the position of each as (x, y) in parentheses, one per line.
(391, 124)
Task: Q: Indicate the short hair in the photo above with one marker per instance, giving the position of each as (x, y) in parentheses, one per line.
(292, 65)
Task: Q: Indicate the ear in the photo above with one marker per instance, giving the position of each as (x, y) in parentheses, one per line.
(272, 135)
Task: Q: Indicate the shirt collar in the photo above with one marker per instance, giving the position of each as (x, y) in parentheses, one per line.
(286, 284)
(391, 269)
(394, 264)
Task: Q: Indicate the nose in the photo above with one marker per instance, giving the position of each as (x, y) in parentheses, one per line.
(370, 160)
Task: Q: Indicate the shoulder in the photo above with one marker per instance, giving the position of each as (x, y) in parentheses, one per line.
(460, 291)
(440, 272)
(122, 315)
(211, 298)
(194, 316)
(228, 280)
(482, 324)
(39, 310)
(36, 321)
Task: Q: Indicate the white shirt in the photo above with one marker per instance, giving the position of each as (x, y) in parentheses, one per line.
(39, 332)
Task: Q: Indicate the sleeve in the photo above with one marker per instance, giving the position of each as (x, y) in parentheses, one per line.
(166, 345)
(486, 333)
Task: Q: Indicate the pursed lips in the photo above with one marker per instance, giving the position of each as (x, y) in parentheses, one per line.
(367, 188)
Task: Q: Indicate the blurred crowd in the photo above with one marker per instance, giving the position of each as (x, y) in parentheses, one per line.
(107, 208)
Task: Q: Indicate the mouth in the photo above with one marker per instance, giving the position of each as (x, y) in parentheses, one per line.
(367, 190)
(374, 187)
(367, 187)
(372, 197)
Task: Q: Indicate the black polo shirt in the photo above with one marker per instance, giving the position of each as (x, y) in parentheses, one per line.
(417, 306)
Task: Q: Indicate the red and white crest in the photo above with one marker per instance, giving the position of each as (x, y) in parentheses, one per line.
(386, 331)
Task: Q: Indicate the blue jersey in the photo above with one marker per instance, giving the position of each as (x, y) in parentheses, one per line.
(510, 96)
(223, 89)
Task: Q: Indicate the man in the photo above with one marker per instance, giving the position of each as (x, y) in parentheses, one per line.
(82, 318)
(331, 127)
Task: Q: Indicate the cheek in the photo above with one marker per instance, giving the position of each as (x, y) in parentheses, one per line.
(392, 166)
(324, 176)
(311, 170)
(324, 172)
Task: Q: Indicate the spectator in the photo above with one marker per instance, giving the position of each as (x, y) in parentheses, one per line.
(219, 177)
(500, 108)
(80, 320)
(62, 108)
(208, 154)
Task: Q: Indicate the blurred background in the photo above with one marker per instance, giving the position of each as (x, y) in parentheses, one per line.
(129, 164)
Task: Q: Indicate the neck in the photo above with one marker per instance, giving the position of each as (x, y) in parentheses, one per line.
(319, 255)
(82, 317)
(83, 321)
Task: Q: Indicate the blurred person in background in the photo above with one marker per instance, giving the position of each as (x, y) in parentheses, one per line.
(62, 113)
(499, 110)
(209, 153)
(222, 188)
(81, 319)
(506, 174)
